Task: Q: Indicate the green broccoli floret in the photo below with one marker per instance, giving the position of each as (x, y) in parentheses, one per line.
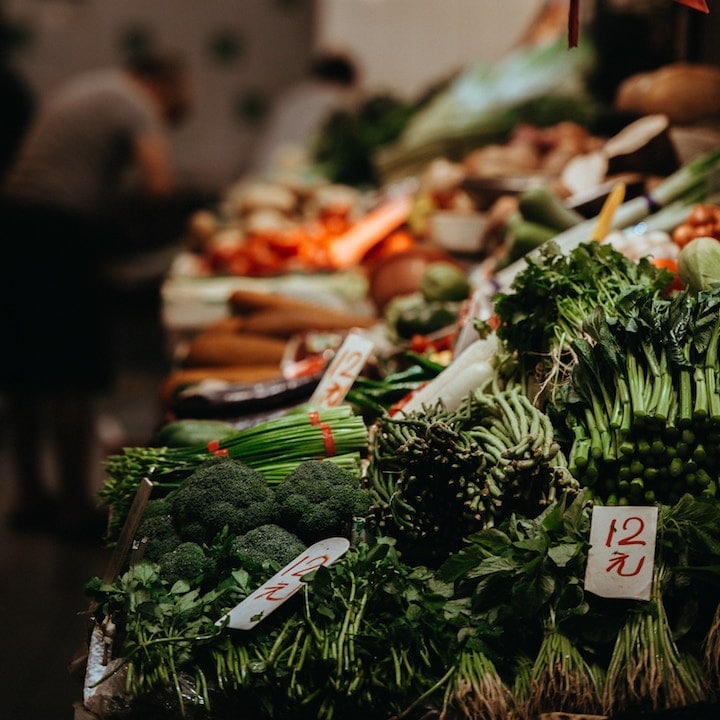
(161, 536)
(268, 542)
(319, 499)
(156, 506)
(186, 562)
(221, 493)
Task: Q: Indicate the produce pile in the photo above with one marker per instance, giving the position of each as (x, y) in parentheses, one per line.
(462, 594)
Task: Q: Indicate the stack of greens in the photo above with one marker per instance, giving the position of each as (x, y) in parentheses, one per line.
(503, 628)
(644, 401)
(273, 447)
(437, 476)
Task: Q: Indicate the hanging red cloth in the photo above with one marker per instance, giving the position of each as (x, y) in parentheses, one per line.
(700, 5)
(573, 23)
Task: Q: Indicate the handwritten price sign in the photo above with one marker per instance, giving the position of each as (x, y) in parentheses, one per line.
(342, 371)
(284, 584)
(622, 552)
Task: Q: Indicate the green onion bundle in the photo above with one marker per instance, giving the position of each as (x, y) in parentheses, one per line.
(647, 671)
(561, 679)
(644, 402)
(476, 691)
(273, 447)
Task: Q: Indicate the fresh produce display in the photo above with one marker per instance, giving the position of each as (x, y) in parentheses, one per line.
(703, 220)
(273, 447)
(553, 296)
(376, 396)
(466, 486)
(435, 305)
(540, 85)
(438, 476)
(664, 207)
(631, 371)
(645, 409)
(541, 215)
(271, 228)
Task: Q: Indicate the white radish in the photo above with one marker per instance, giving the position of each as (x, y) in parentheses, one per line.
(470, 370)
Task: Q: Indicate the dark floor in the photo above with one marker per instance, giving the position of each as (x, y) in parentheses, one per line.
(42, 602)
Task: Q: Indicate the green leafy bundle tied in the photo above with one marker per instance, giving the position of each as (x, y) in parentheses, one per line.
(644, 400)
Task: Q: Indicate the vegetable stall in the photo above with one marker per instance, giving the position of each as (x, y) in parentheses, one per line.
(462, 594)
(396, 480)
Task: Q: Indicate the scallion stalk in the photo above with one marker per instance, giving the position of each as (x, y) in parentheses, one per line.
(647, 672)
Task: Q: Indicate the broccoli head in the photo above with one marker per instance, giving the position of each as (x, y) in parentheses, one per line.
(268, 542)
(186, 562)
(319, 499)
(156, 506)
(160, 533)
(221, 493)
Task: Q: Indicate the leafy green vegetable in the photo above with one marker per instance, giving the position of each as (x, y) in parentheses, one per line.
(437, 476)
(643, 403)
(699, 263)
(552, 298)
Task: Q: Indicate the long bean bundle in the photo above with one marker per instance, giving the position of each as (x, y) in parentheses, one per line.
(273, 447)
(440, 475)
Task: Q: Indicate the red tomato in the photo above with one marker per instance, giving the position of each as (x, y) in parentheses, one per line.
(671, 266)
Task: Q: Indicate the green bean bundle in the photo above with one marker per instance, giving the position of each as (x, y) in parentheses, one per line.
(438, 476)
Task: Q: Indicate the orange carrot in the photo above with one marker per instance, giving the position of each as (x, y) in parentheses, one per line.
(348, 249)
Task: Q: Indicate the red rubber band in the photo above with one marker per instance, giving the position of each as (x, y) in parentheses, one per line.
(328, 439)
(221, 453)
(314, 417)
(213, 446)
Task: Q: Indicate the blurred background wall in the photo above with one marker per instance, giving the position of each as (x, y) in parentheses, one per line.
(244, 52)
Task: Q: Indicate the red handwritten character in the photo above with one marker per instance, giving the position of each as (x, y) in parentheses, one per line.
(627, 539)
(305, 564)
(276, 593)
(334, 394)
(617, 563)
(352, 362)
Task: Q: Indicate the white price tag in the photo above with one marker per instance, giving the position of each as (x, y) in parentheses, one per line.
(342, 372)
(284, 584)
(622, 553)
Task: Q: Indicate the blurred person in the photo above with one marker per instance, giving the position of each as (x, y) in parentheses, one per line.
(57, 200)
(332, 84)
(17, 102)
